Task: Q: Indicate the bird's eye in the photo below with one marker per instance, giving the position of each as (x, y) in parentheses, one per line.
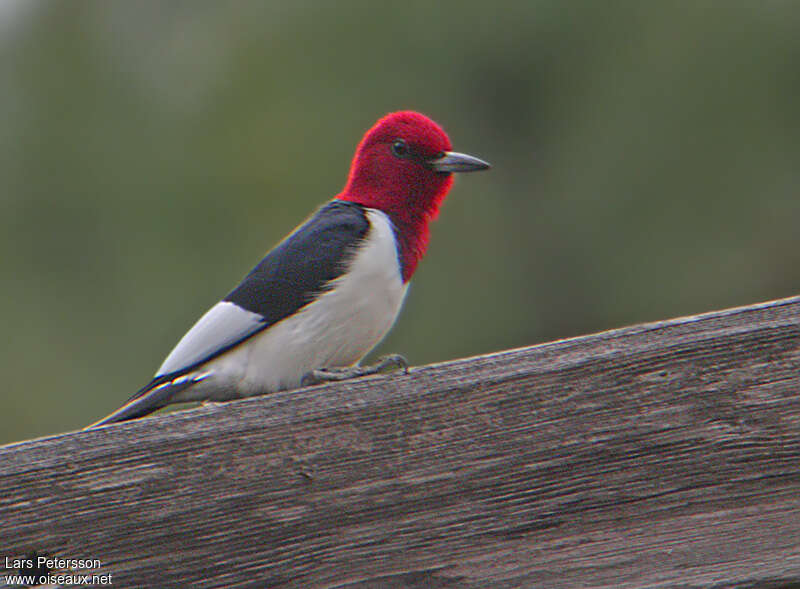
(400, 148)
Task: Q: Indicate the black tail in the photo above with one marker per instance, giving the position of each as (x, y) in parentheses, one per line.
(154, 396)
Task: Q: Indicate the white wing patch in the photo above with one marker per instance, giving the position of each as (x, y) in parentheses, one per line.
(223, 325)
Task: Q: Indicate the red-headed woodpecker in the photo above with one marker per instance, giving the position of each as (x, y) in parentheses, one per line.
(328, 293)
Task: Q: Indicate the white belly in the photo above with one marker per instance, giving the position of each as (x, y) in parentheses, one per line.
(338, 329)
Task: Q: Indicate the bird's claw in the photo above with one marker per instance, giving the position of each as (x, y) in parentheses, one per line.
(395, 361)
(322, 375)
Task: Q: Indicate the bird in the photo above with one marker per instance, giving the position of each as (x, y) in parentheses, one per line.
(326, 295)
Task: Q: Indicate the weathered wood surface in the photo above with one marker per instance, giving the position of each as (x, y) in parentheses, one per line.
(660, 455)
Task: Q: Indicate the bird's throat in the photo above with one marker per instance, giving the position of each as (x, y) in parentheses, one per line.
(412, 242)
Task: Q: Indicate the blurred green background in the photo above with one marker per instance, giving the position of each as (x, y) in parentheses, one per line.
(645, 166)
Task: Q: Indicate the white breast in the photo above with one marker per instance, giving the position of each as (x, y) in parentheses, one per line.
(338, 329)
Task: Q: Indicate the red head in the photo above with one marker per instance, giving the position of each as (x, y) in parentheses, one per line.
(403, 167)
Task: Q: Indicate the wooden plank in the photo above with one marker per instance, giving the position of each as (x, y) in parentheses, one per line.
(660, 455)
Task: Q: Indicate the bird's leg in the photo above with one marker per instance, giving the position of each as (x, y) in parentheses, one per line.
(320, 375)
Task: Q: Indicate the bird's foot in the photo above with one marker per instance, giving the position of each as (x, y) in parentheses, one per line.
(321, 375)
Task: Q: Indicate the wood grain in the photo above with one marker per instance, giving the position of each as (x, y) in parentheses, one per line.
(660, 455)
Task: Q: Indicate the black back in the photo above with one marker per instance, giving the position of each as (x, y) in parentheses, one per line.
(297, 269)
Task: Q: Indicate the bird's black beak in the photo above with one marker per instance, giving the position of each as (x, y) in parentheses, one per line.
(453, 161)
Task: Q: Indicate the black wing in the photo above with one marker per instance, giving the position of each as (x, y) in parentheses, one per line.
(297, 269)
